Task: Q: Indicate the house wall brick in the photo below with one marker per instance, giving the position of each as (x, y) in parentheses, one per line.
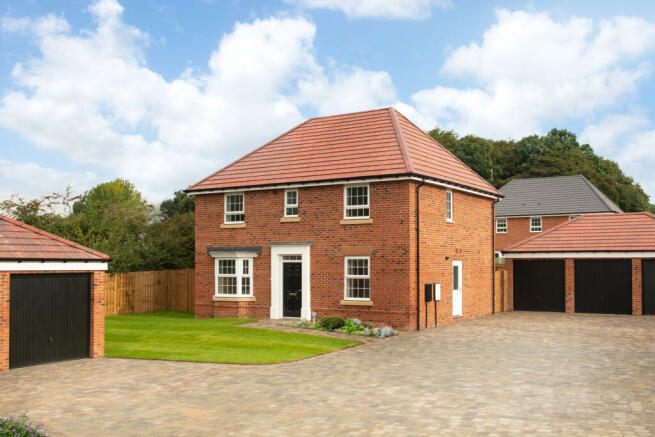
(389, 240)
(518, 229)
(569, 285)
(637, 286)
(468, 239)
(97, 316)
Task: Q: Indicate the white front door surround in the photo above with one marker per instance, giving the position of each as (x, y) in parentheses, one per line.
(457, 288)
(278, 251)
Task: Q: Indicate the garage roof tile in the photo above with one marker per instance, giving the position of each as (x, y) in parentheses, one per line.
(376, 143)
(19, 241)
(595, 233)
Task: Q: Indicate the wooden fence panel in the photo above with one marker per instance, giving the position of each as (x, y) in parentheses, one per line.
(140, 292)
(502, 290)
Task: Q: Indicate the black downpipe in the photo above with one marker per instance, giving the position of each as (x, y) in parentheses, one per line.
(418, 265)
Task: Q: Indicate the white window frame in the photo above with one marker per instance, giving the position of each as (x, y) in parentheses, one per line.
(346, 276)
(238, 269)
(345, 202)
(289, 205)
(498, 231)
(449, 206)
(226, 213)
(534, 229)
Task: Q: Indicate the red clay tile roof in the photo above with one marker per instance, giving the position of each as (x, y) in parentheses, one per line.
(595, 233)
(375, 143)
(19, 241)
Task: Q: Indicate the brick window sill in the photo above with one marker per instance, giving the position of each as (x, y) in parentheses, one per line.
(357, 222)
(232, 299)
(233, 225)
(359, 303)
(289, 219)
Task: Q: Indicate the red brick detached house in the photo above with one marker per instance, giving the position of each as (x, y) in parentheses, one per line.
(596, 263)
(322, 221)
(535, 205)
(52, 294)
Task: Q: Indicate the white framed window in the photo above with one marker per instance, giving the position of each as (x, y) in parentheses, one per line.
(356, 202)
(449, 206)
(233, 277)
(234, 208)
(501, 225)
(291, 203)
(357, 278)
(535, 224)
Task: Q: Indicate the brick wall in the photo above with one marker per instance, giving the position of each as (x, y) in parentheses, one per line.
(385, 240)
(468, 239)
(637, 287)
(569, 285)
(518, 229)
(97, 316)
(389, 240)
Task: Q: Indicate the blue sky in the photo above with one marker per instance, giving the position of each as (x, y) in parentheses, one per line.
(165, 92)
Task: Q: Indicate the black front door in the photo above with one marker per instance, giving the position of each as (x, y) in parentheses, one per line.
(648, 267)
(292, 288)
(48, 318)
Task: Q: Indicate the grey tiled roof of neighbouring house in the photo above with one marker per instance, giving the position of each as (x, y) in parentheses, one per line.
(552, 196)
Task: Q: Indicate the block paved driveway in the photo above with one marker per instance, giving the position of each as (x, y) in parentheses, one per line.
(518, 373)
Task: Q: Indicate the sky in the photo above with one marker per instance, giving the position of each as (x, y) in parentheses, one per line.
(166, 92)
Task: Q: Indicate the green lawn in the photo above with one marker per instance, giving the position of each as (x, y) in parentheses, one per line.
(176, 335)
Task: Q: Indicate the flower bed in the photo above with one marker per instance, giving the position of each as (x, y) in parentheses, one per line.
(349, 326)
(20, 427)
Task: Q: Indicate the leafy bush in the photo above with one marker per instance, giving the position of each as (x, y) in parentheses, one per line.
(331, 323)
(20, 427)
(303, 325)
(384, 332)
(353, 326)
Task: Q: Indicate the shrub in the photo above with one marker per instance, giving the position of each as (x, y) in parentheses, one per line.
(20, 427)
(331, 323)
(352, 326)
(384, 332)
(304, 325)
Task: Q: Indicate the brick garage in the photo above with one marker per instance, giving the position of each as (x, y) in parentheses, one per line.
(320, 161)
(51, 297)
(602, 263)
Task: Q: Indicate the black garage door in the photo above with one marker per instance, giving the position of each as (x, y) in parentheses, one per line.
(648, 302)
(48, 318)
(539, 285)
(603, 286)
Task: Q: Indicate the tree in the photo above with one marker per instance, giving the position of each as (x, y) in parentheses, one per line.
(557, 153)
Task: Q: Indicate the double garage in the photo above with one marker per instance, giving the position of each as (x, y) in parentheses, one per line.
(593, 264)
(51, 297)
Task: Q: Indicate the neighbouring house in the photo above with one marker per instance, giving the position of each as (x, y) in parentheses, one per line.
(596, 263)
(322, 221)
(51, 297)
(534, 205)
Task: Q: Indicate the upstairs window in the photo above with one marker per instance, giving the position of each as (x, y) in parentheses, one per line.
(233, 277)
(234, 208)
(356, 202)
(358, 278)
(535, 224)
(291, 203)
(449, 206)
(501, 226)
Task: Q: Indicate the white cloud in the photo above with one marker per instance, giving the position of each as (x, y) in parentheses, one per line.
(398, 9)
(531, 69)
(91, 96)
(629, 139)
(28, 179)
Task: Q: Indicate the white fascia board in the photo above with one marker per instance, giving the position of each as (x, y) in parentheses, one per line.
(578, 255)
(343, 182)
(26, 266)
